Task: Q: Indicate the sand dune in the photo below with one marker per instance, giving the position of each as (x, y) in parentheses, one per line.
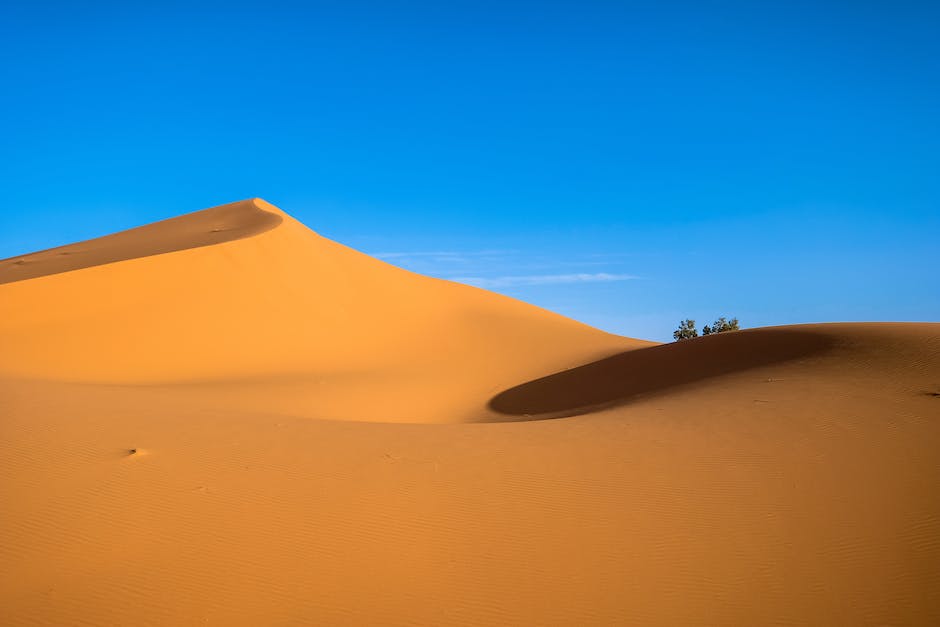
(285, 310)
(220, 419)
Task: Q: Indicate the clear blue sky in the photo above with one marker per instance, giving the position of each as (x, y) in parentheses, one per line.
(625, 164)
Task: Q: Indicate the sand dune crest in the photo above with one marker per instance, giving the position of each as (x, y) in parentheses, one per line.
(224, 223)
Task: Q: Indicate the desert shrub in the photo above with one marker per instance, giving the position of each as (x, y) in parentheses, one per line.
(686, 330)
(721, 325)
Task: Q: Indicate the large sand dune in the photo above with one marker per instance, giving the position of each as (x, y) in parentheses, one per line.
(252, 309)
(222, 419)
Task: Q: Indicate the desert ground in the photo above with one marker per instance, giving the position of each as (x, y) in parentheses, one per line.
(225, 418)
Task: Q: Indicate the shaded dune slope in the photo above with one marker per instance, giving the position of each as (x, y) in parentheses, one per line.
(621, 378)
(224, 223)
(842, 358)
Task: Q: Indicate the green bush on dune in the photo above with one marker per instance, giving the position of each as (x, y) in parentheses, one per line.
(720, 326)
(686, 330)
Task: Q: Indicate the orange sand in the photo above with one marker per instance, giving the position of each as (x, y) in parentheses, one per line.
(308, 445)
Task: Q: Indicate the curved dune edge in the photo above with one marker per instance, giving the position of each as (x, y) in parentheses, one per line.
(622, 378)
(216, 225)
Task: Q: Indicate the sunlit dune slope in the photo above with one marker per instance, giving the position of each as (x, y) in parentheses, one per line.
(251, 306)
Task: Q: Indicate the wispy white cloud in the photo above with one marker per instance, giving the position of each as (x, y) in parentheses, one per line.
(542, 279)
(422, 253)
(488, 268)
(441, 255)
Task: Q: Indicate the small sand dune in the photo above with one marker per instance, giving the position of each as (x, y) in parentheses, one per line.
(630, 375)
(258, 426)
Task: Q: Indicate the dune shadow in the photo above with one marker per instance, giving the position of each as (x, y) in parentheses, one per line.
(626, 376)
(220, 224)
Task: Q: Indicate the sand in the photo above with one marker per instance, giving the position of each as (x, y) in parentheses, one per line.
(227, 419)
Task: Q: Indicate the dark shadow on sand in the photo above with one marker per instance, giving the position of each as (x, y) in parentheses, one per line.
(623, 377)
